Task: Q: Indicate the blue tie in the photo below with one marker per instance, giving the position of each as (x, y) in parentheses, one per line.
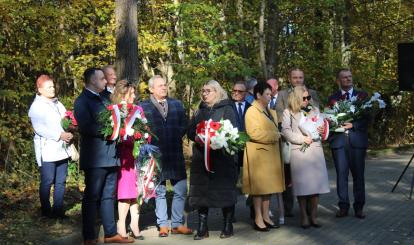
(272, 103)
(240, 111)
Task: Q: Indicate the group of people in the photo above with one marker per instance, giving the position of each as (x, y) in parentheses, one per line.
(269, 117)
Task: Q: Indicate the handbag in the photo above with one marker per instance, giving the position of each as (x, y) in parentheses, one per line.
(73, 152)
(286, 150)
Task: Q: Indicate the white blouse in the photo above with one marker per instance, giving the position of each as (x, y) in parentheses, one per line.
(46, 116)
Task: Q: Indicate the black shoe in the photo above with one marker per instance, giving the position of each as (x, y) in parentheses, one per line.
(139, 237)
(59, 214)
(359, 214)
(202, 231)
(305, 226)
(270, 226)
(228, 214)
(342, 213)
(316, 225)
(257, 228)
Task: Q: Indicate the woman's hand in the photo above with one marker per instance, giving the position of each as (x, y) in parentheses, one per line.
(65, 136)
(308, 140)
(321, 129)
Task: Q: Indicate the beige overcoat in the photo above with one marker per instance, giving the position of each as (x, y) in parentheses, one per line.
(262, 167)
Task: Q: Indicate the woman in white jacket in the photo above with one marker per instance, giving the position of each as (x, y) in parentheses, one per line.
(50, 142)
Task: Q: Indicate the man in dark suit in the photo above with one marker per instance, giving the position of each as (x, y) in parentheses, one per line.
(98, 160)
(349, 150)
(275, 92)
(169, 123)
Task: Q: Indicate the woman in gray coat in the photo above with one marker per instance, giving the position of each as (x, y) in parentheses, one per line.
(308, 167)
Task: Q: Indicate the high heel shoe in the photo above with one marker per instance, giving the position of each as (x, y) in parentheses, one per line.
(316, 225)
(257, 228)
(139, 237)
(270, 226)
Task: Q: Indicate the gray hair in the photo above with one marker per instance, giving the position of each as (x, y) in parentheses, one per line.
(152, 79)
(251, 83)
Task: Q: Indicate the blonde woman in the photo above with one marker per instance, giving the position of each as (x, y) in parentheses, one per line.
(308, 168)
(127, 191)
(216, 189)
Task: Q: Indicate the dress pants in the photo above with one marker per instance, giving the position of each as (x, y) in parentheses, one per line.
(99, 193)
(288, 198)
(351, 159)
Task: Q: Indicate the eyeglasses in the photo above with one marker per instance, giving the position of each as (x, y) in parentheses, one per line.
(238, 91)
(206, 91)
(308, 98)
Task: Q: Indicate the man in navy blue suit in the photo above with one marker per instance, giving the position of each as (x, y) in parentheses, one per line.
(349, 150)
(98, 160)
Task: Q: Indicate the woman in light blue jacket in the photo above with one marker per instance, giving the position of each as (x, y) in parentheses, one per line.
(50, 142)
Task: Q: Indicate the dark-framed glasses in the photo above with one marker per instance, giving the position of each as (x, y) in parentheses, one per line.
(238, 91)
(308, 98)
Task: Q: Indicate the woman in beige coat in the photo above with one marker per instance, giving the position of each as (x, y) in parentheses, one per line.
(308, 167)
(262, 168)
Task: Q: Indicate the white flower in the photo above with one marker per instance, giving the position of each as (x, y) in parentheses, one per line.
(144, 120)
(376, 96)
(353, 99)
(381, 104)
(130, 131)
(146, 135)
(352, 108)
(341, 114)
(123, 102)
(218, 141)
(151, 185)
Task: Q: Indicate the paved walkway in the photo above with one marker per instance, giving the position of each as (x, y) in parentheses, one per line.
(390, 216)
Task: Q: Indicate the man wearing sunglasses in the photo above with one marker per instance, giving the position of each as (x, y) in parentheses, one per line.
(349, 149)
(296, 78)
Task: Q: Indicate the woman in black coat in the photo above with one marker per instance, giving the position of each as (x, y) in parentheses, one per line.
(215, 189)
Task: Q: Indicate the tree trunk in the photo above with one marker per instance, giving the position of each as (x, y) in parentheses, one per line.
(126, 40)
(272, 38)
(262, 38)
(346, 41)
(240, 15)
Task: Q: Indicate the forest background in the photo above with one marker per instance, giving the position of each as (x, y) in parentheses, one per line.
(192, 41)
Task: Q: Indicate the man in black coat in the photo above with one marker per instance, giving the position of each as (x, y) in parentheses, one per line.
(167, 119)
(349, 149)
(98, 160)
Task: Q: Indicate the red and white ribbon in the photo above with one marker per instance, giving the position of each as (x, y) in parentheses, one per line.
(129, 121)
(116, 118)
(325, 134)
(205, 131)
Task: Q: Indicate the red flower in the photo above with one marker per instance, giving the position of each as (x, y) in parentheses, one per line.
(314, 119)
(110, 107)
(137, 135)
(122, 132)
(69, 115)
(119, 106)
(215, 125)
(343, 97)
(200, 127)
(149, 139)
(331, 103)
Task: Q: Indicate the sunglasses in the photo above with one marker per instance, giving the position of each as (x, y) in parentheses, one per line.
(308, 98)
(238, 91)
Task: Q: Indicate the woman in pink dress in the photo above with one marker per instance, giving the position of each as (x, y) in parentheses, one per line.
(127, 178)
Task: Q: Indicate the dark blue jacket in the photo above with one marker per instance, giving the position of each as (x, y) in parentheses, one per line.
(95, 151)
(358, 134)
(240, 121)
(170, 134)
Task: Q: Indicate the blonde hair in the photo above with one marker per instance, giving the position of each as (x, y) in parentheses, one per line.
(122, 88)
(221, 93)
(295, 98)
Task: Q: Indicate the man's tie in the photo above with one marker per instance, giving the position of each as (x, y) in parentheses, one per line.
(272, 102)
(240, 110)
(347, 95)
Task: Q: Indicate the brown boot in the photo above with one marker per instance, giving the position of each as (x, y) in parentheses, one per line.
(118, 239)
(182, 230)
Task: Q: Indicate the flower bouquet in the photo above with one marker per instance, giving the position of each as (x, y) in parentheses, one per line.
(219, 135)
(123, 120)
(148, 172)
(309, 126)
(69, 122)
(343, 111)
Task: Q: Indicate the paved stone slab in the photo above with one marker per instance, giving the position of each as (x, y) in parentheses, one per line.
(390, 216)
